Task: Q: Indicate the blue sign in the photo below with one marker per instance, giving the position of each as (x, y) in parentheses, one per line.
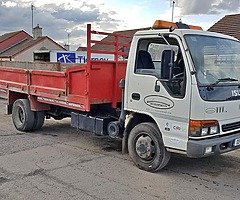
(66, 57)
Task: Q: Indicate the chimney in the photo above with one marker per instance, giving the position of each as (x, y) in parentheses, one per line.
(37, 32)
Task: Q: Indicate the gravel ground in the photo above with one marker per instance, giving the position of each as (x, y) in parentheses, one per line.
(60, 162)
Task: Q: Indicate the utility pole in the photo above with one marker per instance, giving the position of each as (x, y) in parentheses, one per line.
(32, 7)
(173, 5)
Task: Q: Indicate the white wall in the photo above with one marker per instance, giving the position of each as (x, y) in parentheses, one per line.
(27, 55)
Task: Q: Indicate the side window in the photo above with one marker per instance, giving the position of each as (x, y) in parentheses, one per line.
(159, 52)
(155, 57)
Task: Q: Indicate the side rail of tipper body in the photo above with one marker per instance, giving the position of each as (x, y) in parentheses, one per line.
(104, 95)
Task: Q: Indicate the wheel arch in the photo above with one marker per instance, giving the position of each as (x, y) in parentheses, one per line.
(134, 119)
(34, 104)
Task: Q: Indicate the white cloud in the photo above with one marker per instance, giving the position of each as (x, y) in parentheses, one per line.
(195, 7)
(56, 18)
(9, 4)
(62, 16)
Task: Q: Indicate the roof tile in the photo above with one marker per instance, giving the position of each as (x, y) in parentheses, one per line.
(228, 25)
(8, 35)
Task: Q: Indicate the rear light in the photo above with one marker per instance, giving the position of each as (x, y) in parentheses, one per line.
(201, 128)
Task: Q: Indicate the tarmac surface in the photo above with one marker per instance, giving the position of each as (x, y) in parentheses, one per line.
(59, 162)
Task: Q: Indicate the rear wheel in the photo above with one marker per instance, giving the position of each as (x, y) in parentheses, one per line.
(39, 117)
(22, 116)
(146, 147)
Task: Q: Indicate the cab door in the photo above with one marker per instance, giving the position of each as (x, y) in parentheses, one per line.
(158, 85)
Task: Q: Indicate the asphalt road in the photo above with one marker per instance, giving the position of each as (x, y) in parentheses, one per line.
(60, 162)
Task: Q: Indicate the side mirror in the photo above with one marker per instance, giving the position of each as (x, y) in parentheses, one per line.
(167, 64)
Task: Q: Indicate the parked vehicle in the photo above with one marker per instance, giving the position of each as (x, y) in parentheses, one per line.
(178, 92)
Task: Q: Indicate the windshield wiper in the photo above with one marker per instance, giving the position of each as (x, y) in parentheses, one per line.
(228, 79)
(224, 80)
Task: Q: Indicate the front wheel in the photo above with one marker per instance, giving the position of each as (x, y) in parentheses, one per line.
(146, 148)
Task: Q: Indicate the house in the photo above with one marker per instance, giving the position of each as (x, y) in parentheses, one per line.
(228, 25)
(19, 45)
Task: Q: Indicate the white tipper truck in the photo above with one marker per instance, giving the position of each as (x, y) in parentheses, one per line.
(181, 94)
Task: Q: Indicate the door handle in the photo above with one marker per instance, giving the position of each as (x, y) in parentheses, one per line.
(157, 87)
(136, 96)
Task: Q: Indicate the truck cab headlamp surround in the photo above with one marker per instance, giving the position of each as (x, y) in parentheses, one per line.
(201, 128)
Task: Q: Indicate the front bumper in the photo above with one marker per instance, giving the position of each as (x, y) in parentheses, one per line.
(197, 148)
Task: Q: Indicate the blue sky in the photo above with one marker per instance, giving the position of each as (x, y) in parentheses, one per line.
(57, 18)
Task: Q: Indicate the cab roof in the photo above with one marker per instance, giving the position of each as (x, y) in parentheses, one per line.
(182, 32)
(178, 28)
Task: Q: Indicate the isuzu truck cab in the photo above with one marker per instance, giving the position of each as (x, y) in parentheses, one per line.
(180, 93)
(183, 85)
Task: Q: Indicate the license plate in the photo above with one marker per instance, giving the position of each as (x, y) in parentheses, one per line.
(236, 142)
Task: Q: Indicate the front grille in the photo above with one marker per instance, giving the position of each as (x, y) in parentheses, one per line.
(230, 127)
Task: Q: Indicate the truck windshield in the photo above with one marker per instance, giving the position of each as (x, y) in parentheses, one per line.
(216, 60)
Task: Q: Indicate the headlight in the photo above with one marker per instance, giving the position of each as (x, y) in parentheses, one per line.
(204, 131)
(214, 130)
(200, 128)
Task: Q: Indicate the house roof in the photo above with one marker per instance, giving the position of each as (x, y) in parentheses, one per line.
(20, 47)
(8, 35)
(228, 25)
(20, 44)
(110, 38)
(9, 40)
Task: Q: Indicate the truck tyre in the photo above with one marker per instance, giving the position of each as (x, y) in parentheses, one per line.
(22, 116)
(39, 118)
(146, 147)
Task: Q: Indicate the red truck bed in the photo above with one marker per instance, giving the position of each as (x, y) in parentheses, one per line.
(73, 88)
(77, 87)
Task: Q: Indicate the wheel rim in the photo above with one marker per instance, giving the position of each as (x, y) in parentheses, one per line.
(145, 147)
(21, 115)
